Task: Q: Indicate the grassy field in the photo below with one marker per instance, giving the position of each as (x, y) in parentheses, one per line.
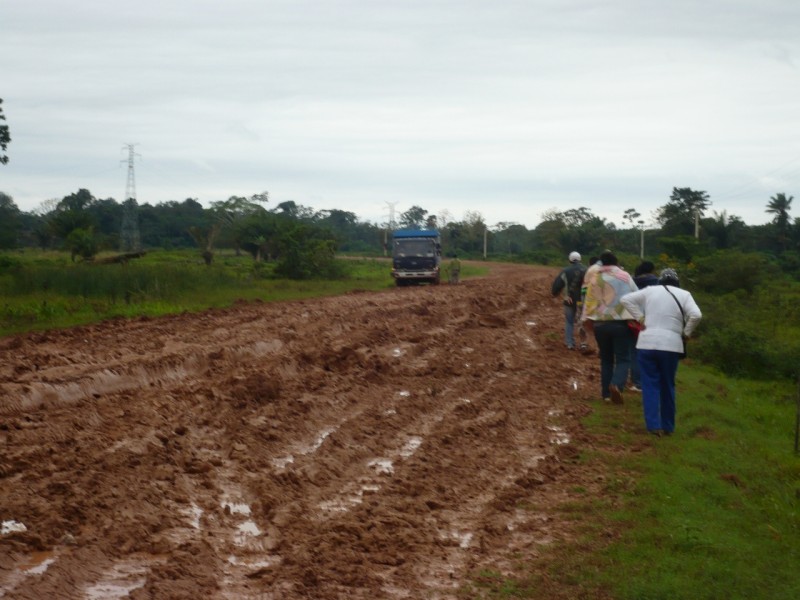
(712, 512)
(44, 290)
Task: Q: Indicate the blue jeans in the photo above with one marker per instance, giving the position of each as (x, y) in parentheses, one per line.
(614, 343)
(658, 369)
(569, 325)
(636, 375)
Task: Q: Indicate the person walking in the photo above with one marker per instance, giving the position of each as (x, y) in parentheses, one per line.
(568, 283)
(670, 315)
(454, 270)
(643, 276)
(603, 314)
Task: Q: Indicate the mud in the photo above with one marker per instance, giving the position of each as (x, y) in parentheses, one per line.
(373, 445)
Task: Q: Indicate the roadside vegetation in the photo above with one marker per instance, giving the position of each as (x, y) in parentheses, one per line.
(46, 290)
(710, 512)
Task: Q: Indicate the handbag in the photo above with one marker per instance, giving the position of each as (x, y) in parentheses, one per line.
(683, 318)
(635, 328)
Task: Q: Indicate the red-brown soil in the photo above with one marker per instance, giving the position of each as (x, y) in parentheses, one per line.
(372, 445)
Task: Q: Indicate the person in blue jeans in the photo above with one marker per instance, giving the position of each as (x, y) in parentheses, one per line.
(568, 283)
(603, 314)
(670, 315)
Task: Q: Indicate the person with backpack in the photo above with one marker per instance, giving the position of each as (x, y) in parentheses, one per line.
(568, 284)
(670, 315)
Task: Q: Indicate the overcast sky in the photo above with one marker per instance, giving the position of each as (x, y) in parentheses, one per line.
(506, 107)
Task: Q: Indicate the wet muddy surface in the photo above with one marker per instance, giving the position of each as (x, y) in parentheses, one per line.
(373, 445)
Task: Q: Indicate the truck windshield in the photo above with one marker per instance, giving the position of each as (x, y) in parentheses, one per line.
(414, 247)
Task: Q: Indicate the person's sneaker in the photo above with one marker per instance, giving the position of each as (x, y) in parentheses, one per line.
(616, 395)
(634, 388)
(655, 432)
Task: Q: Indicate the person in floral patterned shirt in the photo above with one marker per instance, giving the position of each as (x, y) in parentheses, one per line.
(608, 319)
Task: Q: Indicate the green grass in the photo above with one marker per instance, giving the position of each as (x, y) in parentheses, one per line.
(711, 512)
(44, 290)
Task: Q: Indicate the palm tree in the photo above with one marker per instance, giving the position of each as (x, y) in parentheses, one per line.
(779, 205)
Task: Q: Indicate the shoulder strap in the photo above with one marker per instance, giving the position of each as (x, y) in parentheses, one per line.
(683, 315)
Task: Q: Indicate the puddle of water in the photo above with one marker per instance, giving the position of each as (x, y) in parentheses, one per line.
(280, 463)
(245, 531)
(12, 526)
(340, 505)
(257, 563)
(382, 465)
(463, 539)
(411, 446)
(194, 513)
(320, 439)
(237, 508)
(560, 438)
(38, 562)
(118, 582)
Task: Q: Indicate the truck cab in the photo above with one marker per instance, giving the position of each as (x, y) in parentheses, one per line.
(416, 256)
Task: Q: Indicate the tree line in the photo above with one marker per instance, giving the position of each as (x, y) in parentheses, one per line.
(84, 225)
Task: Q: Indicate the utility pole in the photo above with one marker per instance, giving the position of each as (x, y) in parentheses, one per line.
(391, 226)
(129, 239)
(697, 223)
(641, 243)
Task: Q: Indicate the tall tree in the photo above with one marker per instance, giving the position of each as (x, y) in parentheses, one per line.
(677, 217)
(779, 206)
(413, 218)
(9, 222)
(5, 136)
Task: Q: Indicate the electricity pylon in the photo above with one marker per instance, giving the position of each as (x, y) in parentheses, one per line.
(129, 240)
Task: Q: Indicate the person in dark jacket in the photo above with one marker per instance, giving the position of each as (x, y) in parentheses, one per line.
(568, 284)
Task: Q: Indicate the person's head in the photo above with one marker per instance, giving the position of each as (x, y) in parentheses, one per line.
(669, 277)
(608, 258)
(574, 257)
(644, 268)
(593, 260)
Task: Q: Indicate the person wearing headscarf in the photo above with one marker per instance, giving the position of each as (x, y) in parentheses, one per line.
(669, 315)
(603, 314)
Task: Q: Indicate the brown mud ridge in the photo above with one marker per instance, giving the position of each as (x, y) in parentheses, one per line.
(372, 445)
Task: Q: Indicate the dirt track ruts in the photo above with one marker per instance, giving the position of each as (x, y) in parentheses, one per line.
(372, 445)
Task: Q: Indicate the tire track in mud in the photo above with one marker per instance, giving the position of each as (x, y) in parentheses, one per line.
(370, 445)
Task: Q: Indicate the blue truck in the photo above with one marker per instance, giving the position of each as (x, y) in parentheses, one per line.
(416, 256)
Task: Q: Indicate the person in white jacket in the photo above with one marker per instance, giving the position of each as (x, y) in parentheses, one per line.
(669, 315)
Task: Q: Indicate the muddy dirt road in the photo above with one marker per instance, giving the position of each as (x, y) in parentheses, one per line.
(374, 445)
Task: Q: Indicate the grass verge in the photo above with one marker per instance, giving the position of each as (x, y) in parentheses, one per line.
(711, 512)
(44, 290)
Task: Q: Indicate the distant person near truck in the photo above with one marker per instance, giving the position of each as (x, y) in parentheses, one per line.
(454, 270)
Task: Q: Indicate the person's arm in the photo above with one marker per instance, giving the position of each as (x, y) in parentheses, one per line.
(558, 284)
(633, 304)
(693, 316)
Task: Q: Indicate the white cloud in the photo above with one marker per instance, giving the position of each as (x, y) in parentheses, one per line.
(509, 108)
